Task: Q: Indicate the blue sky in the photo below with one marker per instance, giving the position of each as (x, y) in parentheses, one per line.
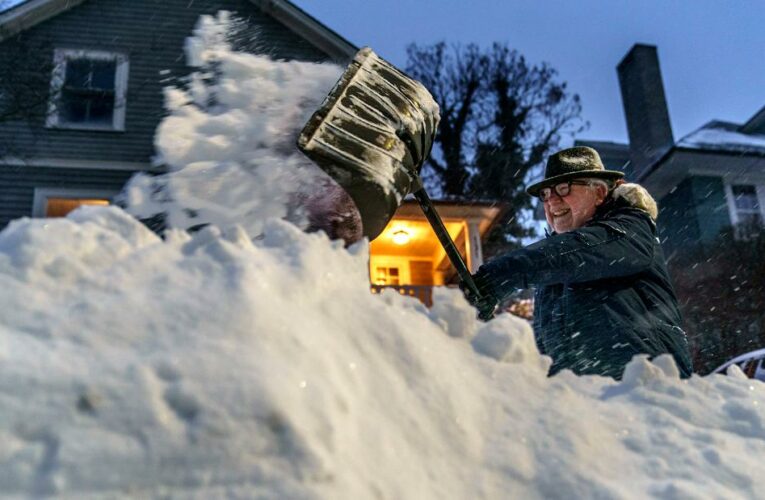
(712, 52)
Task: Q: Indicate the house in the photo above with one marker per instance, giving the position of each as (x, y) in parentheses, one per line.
(710, 188)
(408, 257)
(705, 183)
(91, 72)
(89, 75)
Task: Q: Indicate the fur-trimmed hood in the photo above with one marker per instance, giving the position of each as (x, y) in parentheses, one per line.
(637, 196)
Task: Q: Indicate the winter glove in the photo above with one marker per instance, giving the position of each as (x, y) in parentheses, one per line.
(497, 280)
(485, 303)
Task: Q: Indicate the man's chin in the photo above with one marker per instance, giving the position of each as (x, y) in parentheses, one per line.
(562, 227)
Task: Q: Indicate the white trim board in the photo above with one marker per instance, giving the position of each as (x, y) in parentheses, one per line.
(43, 193)
(85, 164)
(732, 210)
(30, 13)
(61, 58)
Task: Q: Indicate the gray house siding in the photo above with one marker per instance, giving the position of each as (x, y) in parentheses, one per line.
(151, 33)
(711, 207)
(694, 213)
(18, 184)
(677, 223)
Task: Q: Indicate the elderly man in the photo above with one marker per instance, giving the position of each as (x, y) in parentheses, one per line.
(603, 293)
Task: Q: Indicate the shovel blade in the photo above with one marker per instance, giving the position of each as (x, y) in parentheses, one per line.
(372, 134)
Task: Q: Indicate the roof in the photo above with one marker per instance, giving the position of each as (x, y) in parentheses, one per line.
(756, 124)
(723, 137)
(32, 12)
(299, 21)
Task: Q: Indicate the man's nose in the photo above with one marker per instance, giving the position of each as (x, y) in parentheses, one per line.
(554, 199)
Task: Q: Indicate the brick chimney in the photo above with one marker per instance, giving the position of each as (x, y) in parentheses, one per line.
(645, 107)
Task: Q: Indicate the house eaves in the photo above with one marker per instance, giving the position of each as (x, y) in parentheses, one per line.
(33, 12)
(335, 46)
(719, 138)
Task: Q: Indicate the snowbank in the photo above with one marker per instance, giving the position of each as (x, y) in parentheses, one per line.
(209, 365)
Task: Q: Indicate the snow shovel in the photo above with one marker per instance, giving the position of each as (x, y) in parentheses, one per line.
(372, 134)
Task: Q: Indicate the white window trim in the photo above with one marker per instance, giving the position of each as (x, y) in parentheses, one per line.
(732, 211)
(60, 57)
(42, 194)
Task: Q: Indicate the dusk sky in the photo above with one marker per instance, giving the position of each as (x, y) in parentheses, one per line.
(712, 52)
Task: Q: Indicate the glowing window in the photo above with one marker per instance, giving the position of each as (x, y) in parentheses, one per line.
(386, 276)
(59, 207)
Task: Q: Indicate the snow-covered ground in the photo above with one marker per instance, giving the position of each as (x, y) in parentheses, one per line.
(213, 365)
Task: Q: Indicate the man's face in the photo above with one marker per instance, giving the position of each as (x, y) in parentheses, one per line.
(565, 213)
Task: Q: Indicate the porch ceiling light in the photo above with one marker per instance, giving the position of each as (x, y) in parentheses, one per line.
(401, 237)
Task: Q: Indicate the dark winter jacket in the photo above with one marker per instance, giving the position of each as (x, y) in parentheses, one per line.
(603, 293)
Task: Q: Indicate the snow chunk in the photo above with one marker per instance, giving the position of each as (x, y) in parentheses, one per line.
(453, 313)
(510, 339)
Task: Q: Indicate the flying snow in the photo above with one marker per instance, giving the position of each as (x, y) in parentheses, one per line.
(229, 142)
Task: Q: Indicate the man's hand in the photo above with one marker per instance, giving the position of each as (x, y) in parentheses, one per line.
(484, 280)
(486, 303)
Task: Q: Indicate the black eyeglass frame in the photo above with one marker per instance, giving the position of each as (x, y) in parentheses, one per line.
(546, 192)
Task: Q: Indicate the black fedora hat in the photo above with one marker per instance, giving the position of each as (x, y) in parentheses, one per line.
(573, 163)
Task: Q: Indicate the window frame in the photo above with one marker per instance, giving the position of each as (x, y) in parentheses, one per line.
(759, 189)
(122, 67)
(41, 195)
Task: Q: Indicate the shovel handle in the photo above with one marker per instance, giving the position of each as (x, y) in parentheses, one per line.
(451, 250)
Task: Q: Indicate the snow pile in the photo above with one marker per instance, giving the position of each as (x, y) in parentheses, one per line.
(209, 365)
(229, 142)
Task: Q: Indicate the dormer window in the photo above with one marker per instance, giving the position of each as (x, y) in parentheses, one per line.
(88, 90)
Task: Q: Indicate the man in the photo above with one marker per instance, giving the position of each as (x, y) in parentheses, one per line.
(603, 293)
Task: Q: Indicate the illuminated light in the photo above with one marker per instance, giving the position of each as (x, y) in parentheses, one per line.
(401, 237)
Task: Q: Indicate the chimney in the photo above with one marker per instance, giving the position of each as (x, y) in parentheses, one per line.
(645, 108)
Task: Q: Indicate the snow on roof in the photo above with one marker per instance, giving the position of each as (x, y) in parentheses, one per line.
(723, 136)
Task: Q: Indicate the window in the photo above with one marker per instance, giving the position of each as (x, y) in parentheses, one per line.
(746, 208)
(55, 202)
(88, 90)
(386, 276)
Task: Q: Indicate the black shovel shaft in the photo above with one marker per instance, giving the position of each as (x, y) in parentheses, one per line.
(451, 249)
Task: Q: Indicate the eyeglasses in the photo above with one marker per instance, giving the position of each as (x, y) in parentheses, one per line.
(563, 189)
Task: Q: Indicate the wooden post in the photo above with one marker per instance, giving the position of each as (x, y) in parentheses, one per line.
(474, 248)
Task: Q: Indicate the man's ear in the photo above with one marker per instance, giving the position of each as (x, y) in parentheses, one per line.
(601, 192)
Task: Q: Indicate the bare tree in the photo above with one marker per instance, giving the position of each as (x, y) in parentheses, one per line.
(25, 73)
(455, 78)
(500, 117)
